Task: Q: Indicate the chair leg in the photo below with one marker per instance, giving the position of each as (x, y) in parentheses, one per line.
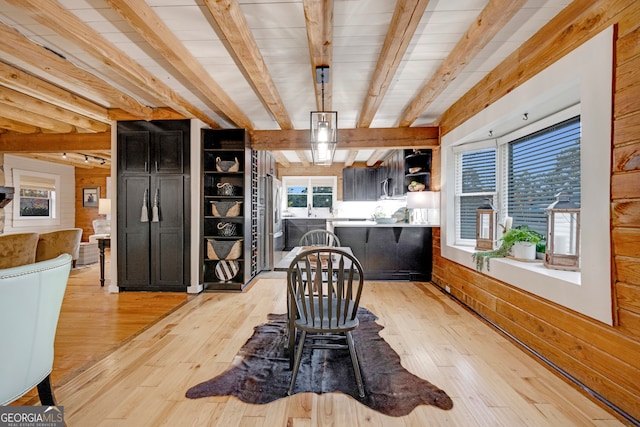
(45, 392)
(296, 365)
(354, 362)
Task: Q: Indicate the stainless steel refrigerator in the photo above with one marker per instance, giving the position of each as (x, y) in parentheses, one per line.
(270, 229)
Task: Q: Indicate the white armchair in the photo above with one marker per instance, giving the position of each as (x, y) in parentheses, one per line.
(101, 228)
(30, 300)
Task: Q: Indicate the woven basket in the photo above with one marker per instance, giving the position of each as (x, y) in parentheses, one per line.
(226, 208)
(227, 165)
(226, 189)
(227, 229)
(224, 249)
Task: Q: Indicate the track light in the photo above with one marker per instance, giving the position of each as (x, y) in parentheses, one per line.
(64, 155)
(525, 116)
(86, 159)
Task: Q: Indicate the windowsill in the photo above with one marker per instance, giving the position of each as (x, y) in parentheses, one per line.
(530, 276)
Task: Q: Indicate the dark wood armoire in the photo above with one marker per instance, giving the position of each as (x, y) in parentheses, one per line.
(153, 205)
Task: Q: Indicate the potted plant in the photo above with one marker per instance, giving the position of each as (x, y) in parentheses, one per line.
(516, 236)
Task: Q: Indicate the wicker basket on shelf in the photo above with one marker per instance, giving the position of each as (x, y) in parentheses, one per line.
(227, 229)
(227, 165)
(226, 208)
(224, 249)
(226, 189)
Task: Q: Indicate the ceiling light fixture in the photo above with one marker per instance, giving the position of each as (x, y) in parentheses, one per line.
(324, 126)
(64, 155)
(86, 159)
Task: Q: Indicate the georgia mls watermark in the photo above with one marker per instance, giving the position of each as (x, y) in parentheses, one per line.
(31, 416)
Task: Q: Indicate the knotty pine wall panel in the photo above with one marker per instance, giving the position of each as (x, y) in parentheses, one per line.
(604, 358)
(95, 177)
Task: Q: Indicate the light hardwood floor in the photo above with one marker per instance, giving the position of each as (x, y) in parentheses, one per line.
(143, 381)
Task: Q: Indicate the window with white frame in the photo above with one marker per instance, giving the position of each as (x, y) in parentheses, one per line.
(36, 196)
(314, 191)
(531, 171)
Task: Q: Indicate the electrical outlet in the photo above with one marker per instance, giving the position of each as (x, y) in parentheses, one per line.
(447, 288)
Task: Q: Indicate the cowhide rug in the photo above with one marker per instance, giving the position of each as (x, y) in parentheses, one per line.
(261, 374)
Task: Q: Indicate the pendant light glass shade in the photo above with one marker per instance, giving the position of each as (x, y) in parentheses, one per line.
(324, 136)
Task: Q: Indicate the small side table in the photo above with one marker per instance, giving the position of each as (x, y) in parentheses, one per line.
(103, 242)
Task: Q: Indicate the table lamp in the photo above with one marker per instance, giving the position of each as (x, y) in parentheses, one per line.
(420, 201)
(104, 207)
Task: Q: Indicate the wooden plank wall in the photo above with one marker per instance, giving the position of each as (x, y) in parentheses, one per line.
(94, 177)
(604, 358)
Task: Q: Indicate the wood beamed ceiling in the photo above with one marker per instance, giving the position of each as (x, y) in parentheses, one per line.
(68, 70)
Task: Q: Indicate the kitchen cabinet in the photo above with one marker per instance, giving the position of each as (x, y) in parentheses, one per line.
(390, 253)
(294, 229)
(151, 171)
(360, 184)
(223, 186)
(395, 171)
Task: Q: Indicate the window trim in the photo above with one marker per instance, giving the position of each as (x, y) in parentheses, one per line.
(584, 77)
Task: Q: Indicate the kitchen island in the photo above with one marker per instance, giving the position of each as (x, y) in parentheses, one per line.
(399, 251)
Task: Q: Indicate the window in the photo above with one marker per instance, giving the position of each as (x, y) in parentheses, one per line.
(316, 191)
(34, 202)
(476, 172)
(538, 166)
(36, 197)
(297, 196)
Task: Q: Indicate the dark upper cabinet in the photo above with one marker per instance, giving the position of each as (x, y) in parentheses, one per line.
(360, 184)
(150, 151)
(133, 151)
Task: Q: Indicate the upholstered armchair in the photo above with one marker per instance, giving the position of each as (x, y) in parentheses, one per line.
(54, 243)
(30, 300)
(101, 228)
(17, 249)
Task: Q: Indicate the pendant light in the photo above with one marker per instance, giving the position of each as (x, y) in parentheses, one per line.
(323, 127)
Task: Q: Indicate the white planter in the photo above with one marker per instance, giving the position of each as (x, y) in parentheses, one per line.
(524, 250)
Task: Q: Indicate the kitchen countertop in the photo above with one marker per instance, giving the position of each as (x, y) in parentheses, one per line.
(375, 224)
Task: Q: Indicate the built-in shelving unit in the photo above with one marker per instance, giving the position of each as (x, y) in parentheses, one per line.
(223, 186)
(417, 166)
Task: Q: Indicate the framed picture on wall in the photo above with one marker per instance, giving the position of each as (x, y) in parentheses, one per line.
(90, 196)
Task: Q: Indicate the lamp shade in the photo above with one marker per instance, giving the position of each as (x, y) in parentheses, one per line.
(423, 199)
(324, 136)
(104, 206)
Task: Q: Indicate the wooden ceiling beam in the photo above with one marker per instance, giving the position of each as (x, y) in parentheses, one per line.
(66, 24)
(158, 114)
(243, 47)
(16, 126)
(18, 114)
(18, 46)
(34, 105)
(351, 158)
(349, 139)
(376, 156)
(302, 155)
(492, 19)
(319, 17)
(148, 24)
(55, 143)
(57, 158)
(280, 158)
(16, 79)
(404, 23)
